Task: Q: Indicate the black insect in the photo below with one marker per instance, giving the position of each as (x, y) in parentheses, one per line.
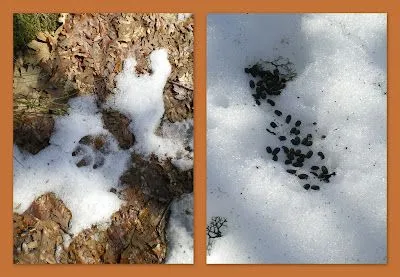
(298, 123)
(276, 151)
(303, 176)
(278, 113)
(324, 169)
(309, 154)
(314, 167)
(291, 171)
(273, 125)
(275, 158)
(313, 173)
(306, 186)
(288, 162)
(297, 132)
(282, 138)
(252, 85)
(297, 152)
(314, 187)
(293, 130)
(258, 102)
(269, 150)
(288, 118)
(321, 155)
(285, 149)
(272, 103)
(263, 96)
(323, 137)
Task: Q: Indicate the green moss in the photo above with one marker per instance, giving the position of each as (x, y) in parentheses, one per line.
(27, 25)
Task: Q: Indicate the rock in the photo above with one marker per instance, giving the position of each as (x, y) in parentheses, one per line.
(118, 125)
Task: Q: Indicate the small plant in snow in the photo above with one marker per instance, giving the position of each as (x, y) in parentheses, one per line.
(215, 230)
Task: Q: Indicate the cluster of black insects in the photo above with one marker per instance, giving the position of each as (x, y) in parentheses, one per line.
(299, 149)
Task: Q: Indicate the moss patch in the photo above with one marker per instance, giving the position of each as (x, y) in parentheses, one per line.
(27, 25)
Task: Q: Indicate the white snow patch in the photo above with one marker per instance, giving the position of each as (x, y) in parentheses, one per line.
(141, 99)
(180, 231)
(341, 84)
(84, 190)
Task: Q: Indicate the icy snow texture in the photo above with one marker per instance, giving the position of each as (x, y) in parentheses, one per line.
(84, 190)
(180, 231)
(341, 64)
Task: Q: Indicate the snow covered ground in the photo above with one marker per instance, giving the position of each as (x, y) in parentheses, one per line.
(340, 60)
(86, 191)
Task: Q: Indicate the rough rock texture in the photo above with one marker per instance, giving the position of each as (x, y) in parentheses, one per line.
(118, 125)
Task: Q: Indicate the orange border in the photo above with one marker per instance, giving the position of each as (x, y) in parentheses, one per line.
(200, 9)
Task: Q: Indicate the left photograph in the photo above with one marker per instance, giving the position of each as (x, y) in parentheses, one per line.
(103, 138)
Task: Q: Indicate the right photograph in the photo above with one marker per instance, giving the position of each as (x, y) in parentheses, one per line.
(297, 138)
